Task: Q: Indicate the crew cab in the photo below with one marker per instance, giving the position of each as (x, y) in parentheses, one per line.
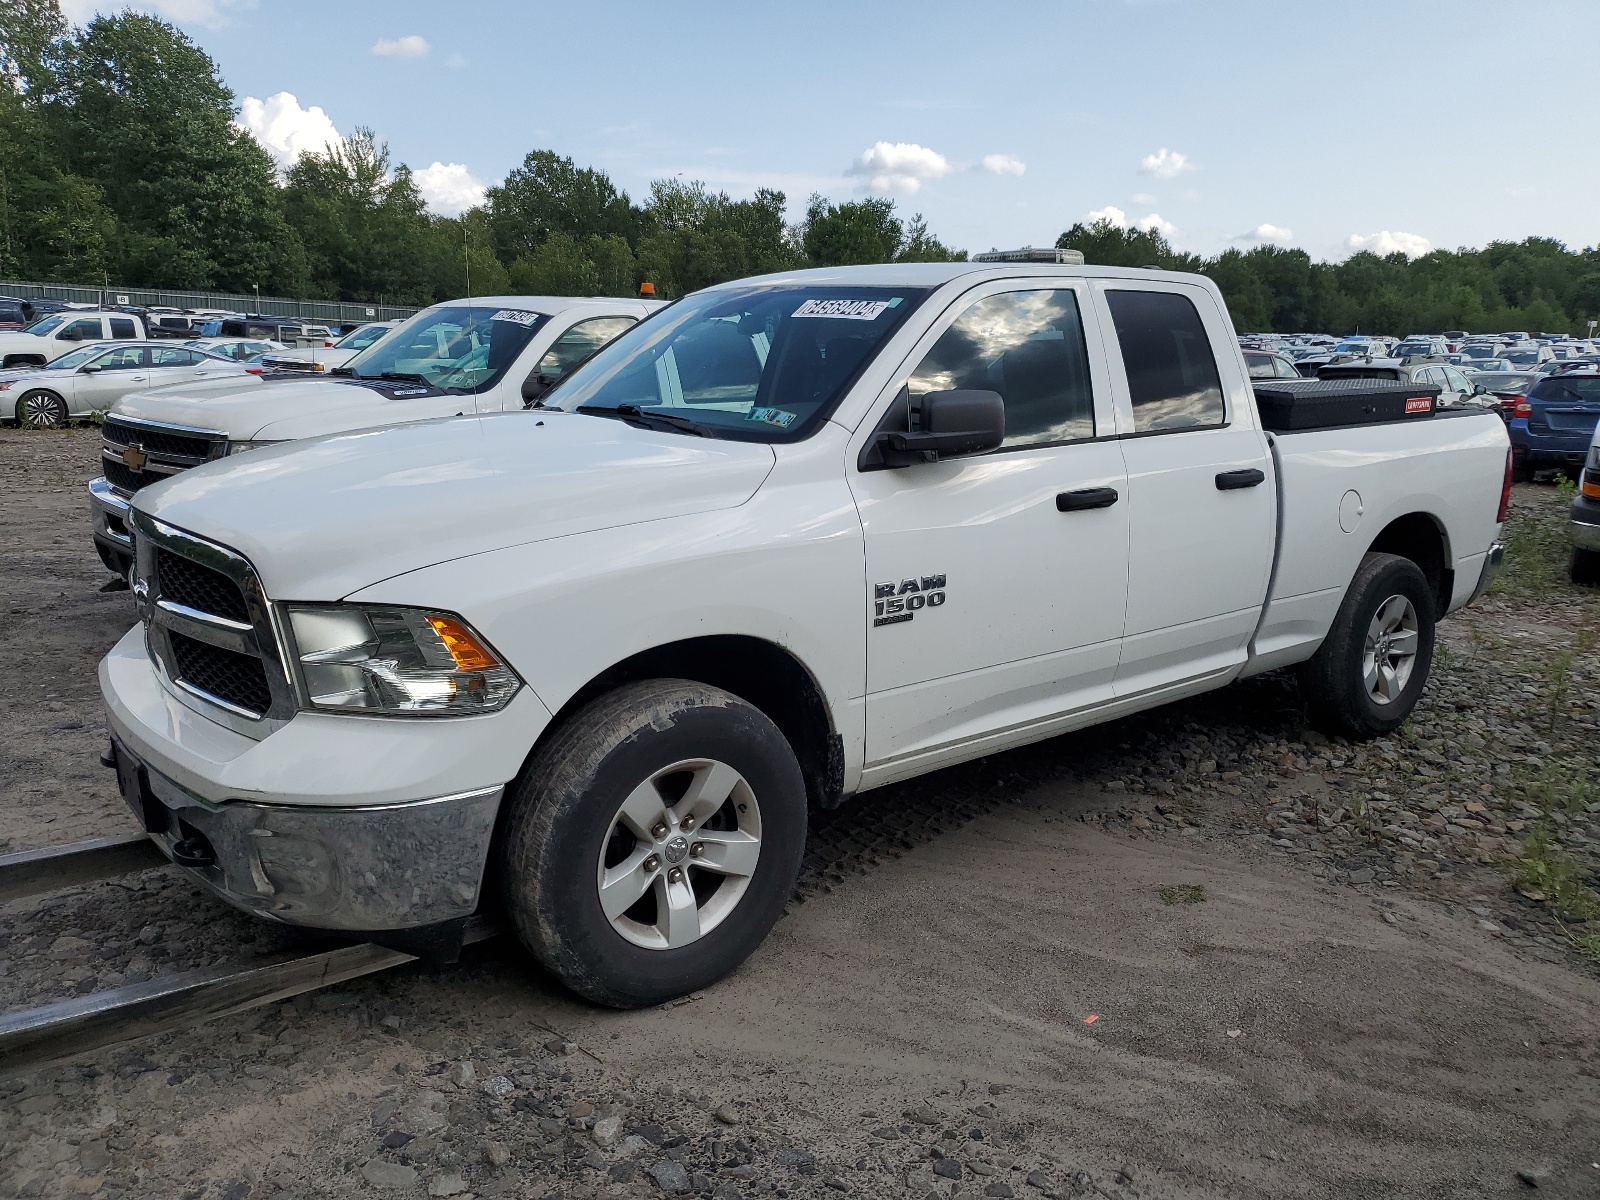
(48, 338)
(477, 356)
(590, 665)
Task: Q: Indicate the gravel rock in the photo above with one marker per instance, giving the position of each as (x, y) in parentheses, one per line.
(388, 1175)
(497, 1086)
(998, 1189)
(496, 1154)
(463, 1074)
(671, 1177)
(947, 1168)
(606, 1131)
(796, 1159)
(446, 1185)
(726, 1115)
(1038, 1179)
(561, 1046)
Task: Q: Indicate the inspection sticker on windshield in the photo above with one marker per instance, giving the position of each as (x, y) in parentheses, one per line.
(848, 310)
(780, 417)
(516, 316)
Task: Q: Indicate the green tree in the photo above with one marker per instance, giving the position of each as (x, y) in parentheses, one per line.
(922, 246)
(549, 194)
(1107, 244)
(857, 231)
(558, 266)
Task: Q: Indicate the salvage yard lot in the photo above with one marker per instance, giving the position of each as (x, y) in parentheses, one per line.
(1201, 952)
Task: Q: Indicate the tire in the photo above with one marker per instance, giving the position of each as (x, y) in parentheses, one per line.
(1521, 470)
(1585, 568)
(1336, 683)
(595, 798)
(41, 409)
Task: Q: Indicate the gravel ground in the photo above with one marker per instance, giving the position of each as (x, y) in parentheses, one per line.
(1201, 952)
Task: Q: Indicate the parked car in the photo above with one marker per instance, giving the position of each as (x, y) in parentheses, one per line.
(479, 356)
(1427, 347)
(1504, 389)
(285, 330)
(788, 541)
(1583, 524)
(15, 314)
(1453, 386)
(92, 378)
(1264, 365)
(322, 359)
(1526, 356)
(1553, 424)
(238, 349)
(63, 332)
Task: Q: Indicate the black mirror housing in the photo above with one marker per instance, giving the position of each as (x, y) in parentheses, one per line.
(535, 386)
(939, 425)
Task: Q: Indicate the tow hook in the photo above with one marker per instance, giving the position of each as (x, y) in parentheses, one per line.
(193, 852)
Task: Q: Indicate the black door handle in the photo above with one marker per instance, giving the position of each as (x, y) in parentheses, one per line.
(1085, 498)
(1230, 481)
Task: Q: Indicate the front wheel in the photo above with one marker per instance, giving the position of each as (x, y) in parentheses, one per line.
(652, 843)
(1585, 567)
(1366, 677)
(41, 409)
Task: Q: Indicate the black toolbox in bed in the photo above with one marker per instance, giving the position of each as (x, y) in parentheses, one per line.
(1290, 404)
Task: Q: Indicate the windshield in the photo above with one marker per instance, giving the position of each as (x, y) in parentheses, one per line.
(1353, 348)
(1583, 388)
(762, 364)
(457, 349)
(69, 362)
(360, 339)
(1522, 356)
(46, 325)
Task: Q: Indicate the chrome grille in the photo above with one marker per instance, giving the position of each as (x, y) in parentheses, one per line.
(134, 453)
(209, 628)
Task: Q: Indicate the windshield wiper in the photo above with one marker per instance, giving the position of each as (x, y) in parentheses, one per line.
(637, 416)
(405, 377)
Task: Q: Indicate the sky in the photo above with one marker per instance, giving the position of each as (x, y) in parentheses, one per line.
(1332, 126)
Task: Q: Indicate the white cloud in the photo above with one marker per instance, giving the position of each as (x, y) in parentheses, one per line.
(899, 166)
(1274, 234)
(1412, 245)
(286, 129)
(1165, 164)
(449, 188)
(1143, 198)
(1003, 164)
(209, 14)
(410, 46)
(456, 61)
(1154, 224)
(1109, 213)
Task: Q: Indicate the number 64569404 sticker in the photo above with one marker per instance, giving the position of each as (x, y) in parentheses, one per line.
(849, 310)
(516, 316)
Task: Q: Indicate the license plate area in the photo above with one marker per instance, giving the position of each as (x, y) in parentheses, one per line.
(134, 784)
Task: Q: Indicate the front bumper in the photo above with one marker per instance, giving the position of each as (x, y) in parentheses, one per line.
(1584, 523)
(367, 870)
(112, 540)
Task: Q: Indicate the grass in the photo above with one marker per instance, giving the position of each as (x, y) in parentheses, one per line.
(1544, 873)
(1182, 893)
(1558, 786)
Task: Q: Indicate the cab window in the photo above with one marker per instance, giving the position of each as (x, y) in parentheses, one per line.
(81, 331)
(124, 358)
(1172, 374)
(174, 357)
(577, 343)
(122, 328)
(1027, 346)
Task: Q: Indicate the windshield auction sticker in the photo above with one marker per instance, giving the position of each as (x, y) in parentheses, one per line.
(516, 317)
(781, 417)
(848, 310)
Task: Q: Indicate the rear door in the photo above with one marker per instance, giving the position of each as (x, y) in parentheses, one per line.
(996, 583)
(1565, 407)
(120, 371)
(1201, 506)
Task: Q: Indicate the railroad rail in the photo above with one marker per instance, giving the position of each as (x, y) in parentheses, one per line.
(63, 1030)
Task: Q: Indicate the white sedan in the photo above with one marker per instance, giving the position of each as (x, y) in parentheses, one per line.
(93, 378)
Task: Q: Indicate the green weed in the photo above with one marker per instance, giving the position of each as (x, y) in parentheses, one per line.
(1542, 872)
(1182, 893)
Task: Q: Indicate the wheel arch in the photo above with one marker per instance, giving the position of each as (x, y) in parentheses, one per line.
(22, 360)
(758, 671)
(1422, 538)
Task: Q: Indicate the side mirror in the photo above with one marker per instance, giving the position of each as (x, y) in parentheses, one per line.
(940, 425)
(1480, 390)
(73, 334)
(89, 369)
(535, 386)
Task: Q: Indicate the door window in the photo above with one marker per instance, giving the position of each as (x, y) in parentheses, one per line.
(577, 343)
(1456, 381)
(1172, 374)
(124, 358)
(81, 331)
(122, 327)
(173, 357)
(1029, 347)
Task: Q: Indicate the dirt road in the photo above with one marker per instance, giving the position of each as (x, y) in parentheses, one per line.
(1170, 958)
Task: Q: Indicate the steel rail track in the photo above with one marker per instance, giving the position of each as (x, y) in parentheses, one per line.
(51, 1033)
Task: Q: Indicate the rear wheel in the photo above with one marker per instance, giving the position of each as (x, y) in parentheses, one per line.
(653, 841)
(1585, 567)
(1366, 677)
(41, 409)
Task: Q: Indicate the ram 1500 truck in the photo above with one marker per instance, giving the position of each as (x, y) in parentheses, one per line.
(792, 539)
(463, 356)
(48, 338)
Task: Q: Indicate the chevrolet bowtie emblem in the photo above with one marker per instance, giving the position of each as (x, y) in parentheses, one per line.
(134, 457)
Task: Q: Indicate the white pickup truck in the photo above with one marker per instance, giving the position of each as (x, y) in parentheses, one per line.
(48, 338)
(464, 356)
(791, 539)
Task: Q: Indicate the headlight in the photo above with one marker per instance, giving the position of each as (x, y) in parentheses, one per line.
(241, 447)
(396, 661)
(1594, 458)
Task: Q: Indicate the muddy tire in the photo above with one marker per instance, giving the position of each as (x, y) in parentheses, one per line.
(41, 409)
(651, 843)
(1366, 677)
(1585, 567)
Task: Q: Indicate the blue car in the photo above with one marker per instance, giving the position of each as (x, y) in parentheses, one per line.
(1551, 425)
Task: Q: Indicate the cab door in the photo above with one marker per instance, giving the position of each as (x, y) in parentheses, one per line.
(996, 583)
(574, 344)
(116, 373)
(1201, 496)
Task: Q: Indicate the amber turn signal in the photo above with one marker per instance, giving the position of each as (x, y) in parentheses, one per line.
(469, 653)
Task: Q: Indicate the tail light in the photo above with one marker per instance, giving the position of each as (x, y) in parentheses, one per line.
(1505, 494)
(1519, 406)
(253, 371)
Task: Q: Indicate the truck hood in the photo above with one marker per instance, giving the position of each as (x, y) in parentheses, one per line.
(324, 518)
(256, 408)
(17, 342)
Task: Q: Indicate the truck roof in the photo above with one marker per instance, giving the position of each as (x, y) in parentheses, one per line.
(938, 274)
(545, 304)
